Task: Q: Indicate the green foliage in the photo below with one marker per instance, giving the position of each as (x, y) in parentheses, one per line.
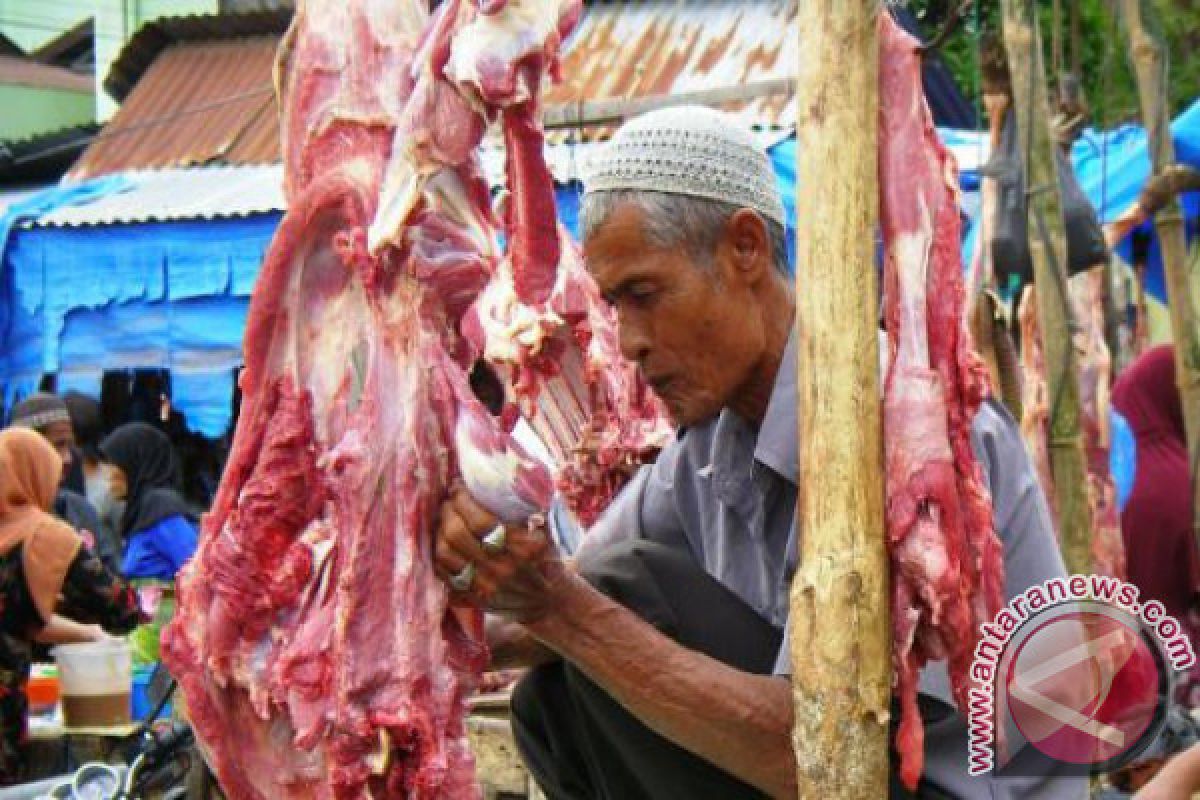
(1108, 78)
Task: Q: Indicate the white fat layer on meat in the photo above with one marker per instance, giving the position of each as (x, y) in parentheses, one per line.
(446, 193)
(398, 197)
(341, 324)
(521, 27)
(529, 439)
(511, 328)
(397, 22)
(490, 476)
(911, 252)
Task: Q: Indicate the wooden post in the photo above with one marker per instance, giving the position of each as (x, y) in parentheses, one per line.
(1047, 245)
(840, 632)
(1150, 67)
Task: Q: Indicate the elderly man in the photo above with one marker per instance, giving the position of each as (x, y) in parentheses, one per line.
(660, 650)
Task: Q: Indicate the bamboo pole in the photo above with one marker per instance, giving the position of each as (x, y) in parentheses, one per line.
(1182, 281)
(840, 633)
(1047, 245)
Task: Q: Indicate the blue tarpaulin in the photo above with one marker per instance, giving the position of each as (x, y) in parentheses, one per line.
(1112, 167)
(172, 295)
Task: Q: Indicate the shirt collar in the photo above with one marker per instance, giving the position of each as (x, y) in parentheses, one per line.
(776, 445)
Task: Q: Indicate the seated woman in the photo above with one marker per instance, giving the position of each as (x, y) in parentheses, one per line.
(157, 526)
(51, 584)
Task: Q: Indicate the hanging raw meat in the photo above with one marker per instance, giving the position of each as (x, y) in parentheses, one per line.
(1095, 378)
(1107, 548)
(318, 652)
(1035, 398)
(946, 565)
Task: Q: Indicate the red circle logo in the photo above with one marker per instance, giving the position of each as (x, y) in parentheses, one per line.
(1084, 687)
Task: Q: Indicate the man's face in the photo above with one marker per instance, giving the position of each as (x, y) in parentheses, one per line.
(689, 327)
(62, 438)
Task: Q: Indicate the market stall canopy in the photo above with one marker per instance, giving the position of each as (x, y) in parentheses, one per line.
(1112, 167)
(155, 272)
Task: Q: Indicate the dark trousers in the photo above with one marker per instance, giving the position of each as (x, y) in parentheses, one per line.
(580, 744)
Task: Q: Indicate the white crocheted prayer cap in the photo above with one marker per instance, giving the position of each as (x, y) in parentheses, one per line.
(688, 150)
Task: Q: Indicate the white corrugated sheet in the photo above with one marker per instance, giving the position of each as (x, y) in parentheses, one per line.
(217, 192)
(179, 194)
(10, 197)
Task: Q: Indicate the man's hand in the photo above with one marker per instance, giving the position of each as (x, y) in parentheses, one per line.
(516, 579)
(1180, 778)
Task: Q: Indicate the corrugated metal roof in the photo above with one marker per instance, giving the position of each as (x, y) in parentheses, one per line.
(200, 103)
(71, 47)
(8, 47)
(211, 102)
(176, 194)
(157, 35)
(26, 72)
(45, 156)
(625, 50)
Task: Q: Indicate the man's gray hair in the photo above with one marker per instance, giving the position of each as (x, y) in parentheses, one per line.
(675, 220)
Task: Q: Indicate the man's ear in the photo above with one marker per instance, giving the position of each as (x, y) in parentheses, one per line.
(747, 246)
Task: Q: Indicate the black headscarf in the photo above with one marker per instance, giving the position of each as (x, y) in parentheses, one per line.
(86, 420)
(152, 475)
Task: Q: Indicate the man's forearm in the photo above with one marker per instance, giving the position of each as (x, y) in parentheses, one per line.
(513, 646)
(738, 721)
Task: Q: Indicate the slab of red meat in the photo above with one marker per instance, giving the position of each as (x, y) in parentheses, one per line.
(1095, 374)
(946, 565)
(1095, 364)
(318, 652)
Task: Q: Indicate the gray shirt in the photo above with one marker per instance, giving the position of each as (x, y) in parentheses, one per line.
(728, 493)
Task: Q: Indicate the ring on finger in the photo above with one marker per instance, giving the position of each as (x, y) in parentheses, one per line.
(461, 581)
(493, 542)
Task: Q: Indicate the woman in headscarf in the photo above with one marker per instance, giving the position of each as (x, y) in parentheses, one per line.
(51, 583)
(48, 415)
(1162, 558)
(157, 525)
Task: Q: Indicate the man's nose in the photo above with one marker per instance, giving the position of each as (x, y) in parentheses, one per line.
(633, 338)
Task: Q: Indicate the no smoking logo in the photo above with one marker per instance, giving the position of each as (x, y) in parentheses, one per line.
(1074, 673)
(1086, 687)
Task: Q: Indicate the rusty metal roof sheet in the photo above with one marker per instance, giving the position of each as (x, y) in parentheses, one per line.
(203, 98)
(625, 50)
(140, 52)
(19, 71)
(199, 103)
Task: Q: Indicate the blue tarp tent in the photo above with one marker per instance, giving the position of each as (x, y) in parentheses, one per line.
(1113, 166)
(173, 295)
